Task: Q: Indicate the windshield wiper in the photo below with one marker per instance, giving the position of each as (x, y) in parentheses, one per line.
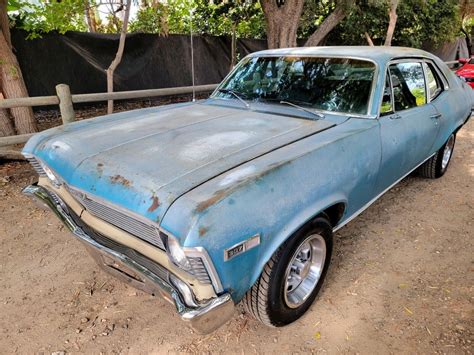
(232, 92)
(317, 114)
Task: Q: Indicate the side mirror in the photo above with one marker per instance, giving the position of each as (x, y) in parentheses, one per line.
(463, 60)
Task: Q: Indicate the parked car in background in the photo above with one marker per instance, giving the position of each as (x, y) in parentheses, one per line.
(466, 71)
(236, 198)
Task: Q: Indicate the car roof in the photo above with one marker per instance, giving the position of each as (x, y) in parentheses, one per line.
(379, 54)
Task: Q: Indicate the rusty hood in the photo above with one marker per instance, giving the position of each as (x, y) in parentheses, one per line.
(144, 160)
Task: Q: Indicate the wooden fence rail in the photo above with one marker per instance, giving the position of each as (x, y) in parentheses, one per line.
(65, 101)
(96, 97)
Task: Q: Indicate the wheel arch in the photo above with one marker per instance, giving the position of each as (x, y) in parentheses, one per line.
(334, 210)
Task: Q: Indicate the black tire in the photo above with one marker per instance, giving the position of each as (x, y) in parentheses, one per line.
(266, 300)
(434, 167)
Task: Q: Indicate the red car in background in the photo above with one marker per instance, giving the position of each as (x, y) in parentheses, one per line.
(466, 72)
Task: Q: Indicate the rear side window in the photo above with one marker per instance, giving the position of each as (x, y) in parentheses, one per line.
(433, 81)
(408, 85)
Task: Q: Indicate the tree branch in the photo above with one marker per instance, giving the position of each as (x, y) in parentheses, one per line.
(392, 22)
(369, 40)
(118, 56)
(328, 25)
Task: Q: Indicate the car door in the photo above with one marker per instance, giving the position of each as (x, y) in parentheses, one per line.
(447, 103)
(408, 123)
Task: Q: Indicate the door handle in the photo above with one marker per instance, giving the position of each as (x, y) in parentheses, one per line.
(395, 116)
(436, 116)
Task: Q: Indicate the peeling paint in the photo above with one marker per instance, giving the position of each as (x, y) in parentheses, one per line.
(155, 203)
(61, 145)
(201, 148)
(236, 175)
(100, 169)
(119, 179)
(236, 183)
(204, 205)
(202, 231)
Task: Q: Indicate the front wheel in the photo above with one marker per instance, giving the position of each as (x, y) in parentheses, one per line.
(437, 165)
(292, 278)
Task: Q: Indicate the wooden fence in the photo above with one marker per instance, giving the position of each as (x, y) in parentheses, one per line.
(66, 103)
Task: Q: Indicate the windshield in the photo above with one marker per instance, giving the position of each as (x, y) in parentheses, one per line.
(329, 84)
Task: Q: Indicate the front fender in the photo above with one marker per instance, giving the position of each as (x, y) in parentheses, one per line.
(274, 196)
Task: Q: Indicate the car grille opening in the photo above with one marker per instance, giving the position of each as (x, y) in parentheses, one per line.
(119, 219)
(36, 165)
(137, 228)
(139, 258)
(198, 269)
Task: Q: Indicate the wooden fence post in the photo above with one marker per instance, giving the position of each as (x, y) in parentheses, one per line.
(65, 103)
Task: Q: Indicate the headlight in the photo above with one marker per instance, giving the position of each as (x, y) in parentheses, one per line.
(49, 173)
(176, 253)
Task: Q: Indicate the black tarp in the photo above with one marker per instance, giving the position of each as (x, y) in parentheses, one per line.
(149, 61)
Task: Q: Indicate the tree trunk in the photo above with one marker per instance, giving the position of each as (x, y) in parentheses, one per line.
(233, 47)
(4, 24)
(468, 41)
(6, 126)
(90, 16)
(118, 56)
(392, 22)
(282, 22)
(369, 40)
(328, 25)
(13, 86)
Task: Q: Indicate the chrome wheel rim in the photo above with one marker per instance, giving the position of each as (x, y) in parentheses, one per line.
(304, 270)
(447, 152)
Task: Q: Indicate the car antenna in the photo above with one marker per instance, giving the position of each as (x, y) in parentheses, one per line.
(192, 53)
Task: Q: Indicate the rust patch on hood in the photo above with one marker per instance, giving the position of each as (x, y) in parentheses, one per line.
(155, 203)
(100, 169)
(202, 231)
(204, 205)
(119, 179)
(223, 193)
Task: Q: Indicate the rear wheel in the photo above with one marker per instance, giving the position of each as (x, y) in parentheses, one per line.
(437, 165)
(292, 278)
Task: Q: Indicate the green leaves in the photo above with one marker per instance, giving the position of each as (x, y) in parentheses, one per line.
(42, 16)
(419, 22)
(13, 5)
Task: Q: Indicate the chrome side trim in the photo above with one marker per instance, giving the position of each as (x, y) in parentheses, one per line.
(367, 205)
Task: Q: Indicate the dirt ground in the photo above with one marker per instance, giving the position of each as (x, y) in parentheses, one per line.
(401, 281)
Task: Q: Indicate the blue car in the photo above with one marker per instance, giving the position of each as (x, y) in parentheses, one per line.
(236, 198)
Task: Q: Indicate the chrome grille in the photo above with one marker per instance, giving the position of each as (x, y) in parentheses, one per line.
(36, 165)
(150, 265)
(119, 219)
(56, 199)
(199, 270)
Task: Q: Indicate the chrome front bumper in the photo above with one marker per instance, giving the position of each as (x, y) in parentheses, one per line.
(204, 318)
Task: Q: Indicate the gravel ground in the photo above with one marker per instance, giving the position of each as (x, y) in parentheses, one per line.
(401, 281)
